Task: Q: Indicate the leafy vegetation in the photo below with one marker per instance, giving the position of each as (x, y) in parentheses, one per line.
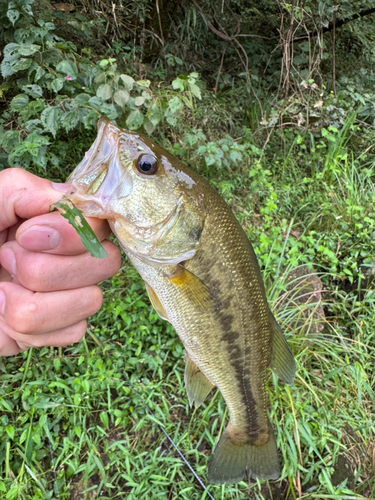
(282, 124)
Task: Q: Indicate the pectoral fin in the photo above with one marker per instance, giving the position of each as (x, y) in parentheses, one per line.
(282, 361)
(197, 385)
(193, 289)
(156, 304)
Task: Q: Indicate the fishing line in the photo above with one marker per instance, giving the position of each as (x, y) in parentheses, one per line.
(127, 379)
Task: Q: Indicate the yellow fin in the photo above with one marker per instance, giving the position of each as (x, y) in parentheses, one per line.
(156, 304)
(282, 361)
(193, 288)
(197, 385)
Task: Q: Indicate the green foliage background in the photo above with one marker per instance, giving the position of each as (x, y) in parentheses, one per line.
(274, 103)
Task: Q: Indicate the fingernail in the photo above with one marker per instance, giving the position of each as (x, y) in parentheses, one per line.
(39, 238)
(63, 187)
(8, 260)
(2, 302)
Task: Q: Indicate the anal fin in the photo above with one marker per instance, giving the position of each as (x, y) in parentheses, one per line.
(197, 385)
(156, 304)
(282, 361)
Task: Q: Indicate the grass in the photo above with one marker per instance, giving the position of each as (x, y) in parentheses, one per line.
(72, 427)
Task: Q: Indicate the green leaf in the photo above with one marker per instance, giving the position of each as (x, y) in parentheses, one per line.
(138, 101)
(104, 91)
(67, 68)
(149, 126)
(75, 218)
(134, 120)
(28, 50)
(187, 102)
(19, 102)
(121, 97)
(154, 114)
(13, 16)
(29, 443)
(70, 119)
(57, 84)
(50, 119)
(178, 84)
(104, 419)
(195, 90)
(175, 104)
(81, 99)
(33, 90)
(144, 83)
(10, 431)
(128, 82)
(22, 64)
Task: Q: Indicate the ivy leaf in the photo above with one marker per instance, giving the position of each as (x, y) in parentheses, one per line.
(75, 218)
(134, 120)
(128, 82)
(121, 97)
(50, 119)
(67, 68)
(104, 91)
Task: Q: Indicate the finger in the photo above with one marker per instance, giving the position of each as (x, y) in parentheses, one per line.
(53, 234)
(25, 195)
(12, 343)
(37, 313)
(42, 272)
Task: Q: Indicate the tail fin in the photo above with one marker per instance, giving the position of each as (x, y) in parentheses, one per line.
(232, 459)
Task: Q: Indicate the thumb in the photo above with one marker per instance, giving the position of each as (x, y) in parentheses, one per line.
(25, 195)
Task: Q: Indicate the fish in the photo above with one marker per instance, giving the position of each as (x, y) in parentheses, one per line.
(201, 275)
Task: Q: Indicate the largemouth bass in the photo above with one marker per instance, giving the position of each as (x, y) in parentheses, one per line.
(202, 276)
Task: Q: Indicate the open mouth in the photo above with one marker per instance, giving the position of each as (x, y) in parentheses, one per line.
(91, 169)
(101, 176)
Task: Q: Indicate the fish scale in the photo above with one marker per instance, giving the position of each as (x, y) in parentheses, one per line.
(202, 276)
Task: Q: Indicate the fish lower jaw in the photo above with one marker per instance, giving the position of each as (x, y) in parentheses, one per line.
(89, 207)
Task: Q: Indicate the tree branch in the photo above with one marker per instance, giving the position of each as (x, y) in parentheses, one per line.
(336, 24)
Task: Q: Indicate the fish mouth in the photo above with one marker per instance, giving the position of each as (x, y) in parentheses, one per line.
(101, 176)
(102, 180)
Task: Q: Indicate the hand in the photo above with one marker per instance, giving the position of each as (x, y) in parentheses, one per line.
(47, 278)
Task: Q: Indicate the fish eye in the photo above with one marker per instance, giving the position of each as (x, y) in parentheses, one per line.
(147, 165)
